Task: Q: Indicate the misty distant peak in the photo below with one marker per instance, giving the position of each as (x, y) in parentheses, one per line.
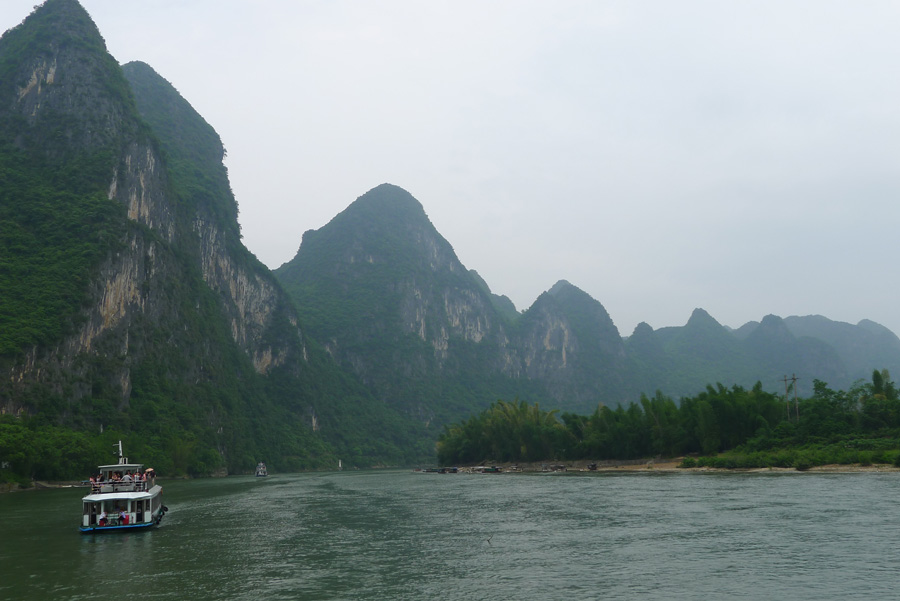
(774, 329)
(560, 286)
(702, 319)
(875, 328)
(771, 320)
(642, 329)
(389, 197)
(141, 67)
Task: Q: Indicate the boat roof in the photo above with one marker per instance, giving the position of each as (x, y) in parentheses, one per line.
(121, 466)
(121, 495)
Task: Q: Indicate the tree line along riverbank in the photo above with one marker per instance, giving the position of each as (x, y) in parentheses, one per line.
(728, 428)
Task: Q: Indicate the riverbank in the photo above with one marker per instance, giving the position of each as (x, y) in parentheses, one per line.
(652, 465)
(674, 465)
(38, 485)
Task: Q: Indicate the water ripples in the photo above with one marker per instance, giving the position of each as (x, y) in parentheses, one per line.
(406, 536)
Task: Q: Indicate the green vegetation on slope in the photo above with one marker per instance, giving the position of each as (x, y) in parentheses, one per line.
(56, 222)
(55, 226)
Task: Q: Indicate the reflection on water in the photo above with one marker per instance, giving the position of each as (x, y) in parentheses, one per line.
(400, 535)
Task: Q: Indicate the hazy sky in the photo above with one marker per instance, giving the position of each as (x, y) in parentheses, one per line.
(742, 157)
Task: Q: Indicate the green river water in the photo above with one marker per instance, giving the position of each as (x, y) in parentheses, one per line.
(405, 535)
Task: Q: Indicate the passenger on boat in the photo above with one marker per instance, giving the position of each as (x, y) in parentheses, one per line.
(101, 521)
(123, 518)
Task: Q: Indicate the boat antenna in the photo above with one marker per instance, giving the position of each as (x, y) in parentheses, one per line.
(122, 459)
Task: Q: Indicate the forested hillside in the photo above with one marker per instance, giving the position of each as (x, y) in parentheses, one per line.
(130, 307)
(385, 294)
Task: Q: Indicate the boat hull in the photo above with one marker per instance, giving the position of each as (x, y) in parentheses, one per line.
(118, 527)
(94, 529)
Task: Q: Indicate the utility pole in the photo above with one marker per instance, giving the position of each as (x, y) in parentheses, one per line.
(793, 380)
(787, 403)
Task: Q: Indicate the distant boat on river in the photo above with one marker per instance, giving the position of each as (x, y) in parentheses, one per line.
(487, 469)
(124, 496)
(261, 470)
(439, 470)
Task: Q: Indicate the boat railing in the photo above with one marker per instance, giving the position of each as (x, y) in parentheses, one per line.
(118, 486)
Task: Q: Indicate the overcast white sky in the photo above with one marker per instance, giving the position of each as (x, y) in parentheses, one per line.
(742, 157)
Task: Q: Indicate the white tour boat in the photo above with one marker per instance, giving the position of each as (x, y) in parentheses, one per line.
(261, 469)
(125, 496)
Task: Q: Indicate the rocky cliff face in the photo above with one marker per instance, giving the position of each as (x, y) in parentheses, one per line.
(69, 79)
(140, 183)
(251, 299)
(250, 295)
(569, 343)
(66, 100)
(175, 307)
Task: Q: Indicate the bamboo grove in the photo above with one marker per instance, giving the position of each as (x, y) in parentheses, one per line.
(720, 427)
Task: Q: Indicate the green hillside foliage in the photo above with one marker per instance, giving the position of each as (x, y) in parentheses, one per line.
(55, 226)
(720, 427)
(55, 220)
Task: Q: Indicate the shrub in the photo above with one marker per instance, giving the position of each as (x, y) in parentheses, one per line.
(801, 464)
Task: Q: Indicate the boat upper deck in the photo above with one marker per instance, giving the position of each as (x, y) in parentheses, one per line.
(122, 495)
(122, 479)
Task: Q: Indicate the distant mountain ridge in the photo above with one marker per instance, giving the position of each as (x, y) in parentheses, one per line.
(564, 350)
(130, 304)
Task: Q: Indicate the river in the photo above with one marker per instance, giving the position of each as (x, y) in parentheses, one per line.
(410, 536)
